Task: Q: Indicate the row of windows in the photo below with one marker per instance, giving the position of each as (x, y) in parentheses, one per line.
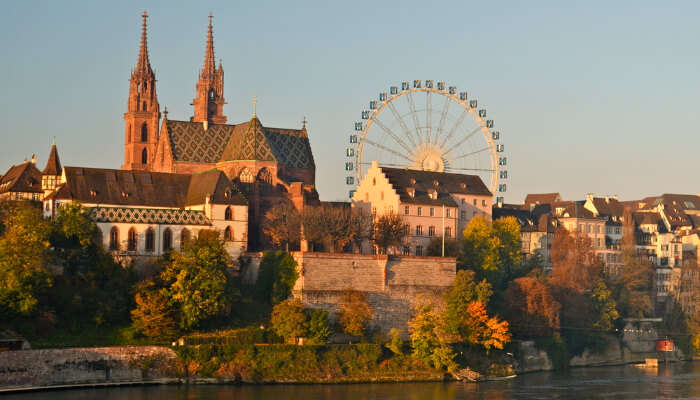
(407, 251)
(431, 231)
(133, 236)
(431, 211)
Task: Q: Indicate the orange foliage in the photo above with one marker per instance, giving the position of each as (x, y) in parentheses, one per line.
(481, 329)
(532, 310)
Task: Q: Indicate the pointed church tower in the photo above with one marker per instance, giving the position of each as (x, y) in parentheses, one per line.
(209, 103)
(51, 175)
(143, 112)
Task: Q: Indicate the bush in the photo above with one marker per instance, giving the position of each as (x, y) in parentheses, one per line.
(319, 327)
(355, 312)
(396, 344)
(289, 320)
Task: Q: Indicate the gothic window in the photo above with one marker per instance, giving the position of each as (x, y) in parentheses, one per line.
(167, 239)
(228, 234)
(144, 156)
(132, 240)
(245, 176)
(265, 179)
(184, 237)
(150, 240)
(228, 215)
(128, 134)
(143, 107)
(114, 238)
(144, 132)
(211, 94)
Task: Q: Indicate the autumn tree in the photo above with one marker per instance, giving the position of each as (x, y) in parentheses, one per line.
(632, 287)
(355, 312)
(336, 225)
(199, 282)
(282, 224)
(24, 250)
(492, 249)
(430, 342)
(390, 231)
(155, 315)
(531, 309)
(288, 320)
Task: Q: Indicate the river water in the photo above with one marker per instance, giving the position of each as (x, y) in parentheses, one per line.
(679, 380)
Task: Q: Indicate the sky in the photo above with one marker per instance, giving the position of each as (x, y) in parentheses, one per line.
(589, 96)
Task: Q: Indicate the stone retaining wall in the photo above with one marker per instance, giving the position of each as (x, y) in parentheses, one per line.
(55, 367)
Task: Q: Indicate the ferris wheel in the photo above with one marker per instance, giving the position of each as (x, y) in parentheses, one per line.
(427, 127)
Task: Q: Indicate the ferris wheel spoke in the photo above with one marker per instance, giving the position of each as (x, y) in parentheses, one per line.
(387, 149)
(454, 128)
(393, 135)
(397, 116)
(472, 133)
(469, 169)
(468, 154)
(394, 165)
(445, 109)
(428, 117)
(416, 123)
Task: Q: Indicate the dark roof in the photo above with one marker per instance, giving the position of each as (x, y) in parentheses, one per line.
(245, 141)
(527, 220)
(676, 217)
(25, 177)
(542, 198)
(647, 218)
(53, 165)
(142, 188)
(423, 182)
(608, 206)
(571, 209)
(684, 201)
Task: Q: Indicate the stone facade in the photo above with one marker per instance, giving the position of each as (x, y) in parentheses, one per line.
(392, 283)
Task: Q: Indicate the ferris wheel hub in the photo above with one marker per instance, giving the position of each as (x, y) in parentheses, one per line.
(429, 158)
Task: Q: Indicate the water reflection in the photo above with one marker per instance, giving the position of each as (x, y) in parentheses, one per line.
(680, 380)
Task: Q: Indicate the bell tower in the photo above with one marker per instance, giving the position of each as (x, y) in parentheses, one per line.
(143, 111)
(209, 103)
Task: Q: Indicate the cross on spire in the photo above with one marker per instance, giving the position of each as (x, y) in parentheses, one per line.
(255, 105)
(143, 65)
(209, 61)
(303, 123)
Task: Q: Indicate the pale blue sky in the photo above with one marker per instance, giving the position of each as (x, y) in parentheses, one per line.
(589, 96)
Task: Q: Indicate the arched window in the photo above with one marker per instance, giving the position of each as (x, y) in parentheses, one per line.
(228, 234)
(144, 132)
(228, 214)
(98, 238)
(265, 180)
(167, 239)
(184, 238)
(128, 134)
(150, 239)
(143, 108)
(114, 238)
(132, 240)
(144, 156)
(245, 176)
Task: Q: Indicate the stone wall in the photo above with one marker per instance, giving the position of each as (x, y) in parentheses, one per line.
(392, 283)
(56, 367)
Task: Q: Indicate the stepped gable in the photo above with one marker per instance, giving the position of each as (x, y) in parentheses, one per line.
(215, 184)
(25, 177)
(252, 144)
(191, 143)
(53, 165)
(424, 181)
(291, 147)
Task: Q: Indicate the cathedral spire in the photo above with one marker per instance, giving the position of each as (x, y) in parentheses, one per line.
(209, 101)
(209, 61)
(143, 65)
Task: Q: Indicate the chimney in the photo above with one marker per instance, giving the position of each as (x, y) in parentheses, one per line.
(589, 196)
(499, 203)
(205, 124)
(33, 158)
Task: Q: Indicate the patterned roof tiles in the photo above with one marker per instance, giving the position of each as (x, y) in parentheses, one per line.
(190, 142)
(148, 216)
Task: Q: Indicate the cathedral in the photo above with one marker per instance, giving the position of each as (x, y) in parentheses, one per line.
(268, 165)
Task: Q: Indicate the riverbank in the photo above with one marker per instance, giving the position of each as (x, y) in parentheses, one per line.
(43, 369)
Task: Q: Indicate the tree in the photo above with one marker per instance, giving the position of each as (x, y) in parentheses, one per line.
(574, 263)
(390, 231)
(457, 298)
(277, 277)
(154, 315)
(24, 277)
(355, 312)
(633, 286)
(288, 320)
(452, 247)
(199, 282)
(492, 250)
(336, 226)
(604, 307)
(531, 309)
(478, 328)
(396, 343)
(430, 343)
(93, 288)
(319, 327)
(282, 225)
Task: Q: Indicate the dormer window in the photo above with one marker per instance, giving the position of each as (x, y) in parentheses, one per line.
(413, 181)
(411, 192)
(125, 195)
(463, 185)
(436, 183)
(93, 193)
(433, 194)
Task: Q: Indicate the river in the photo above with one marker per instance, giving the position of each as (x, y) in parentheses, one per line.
(679, 380)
